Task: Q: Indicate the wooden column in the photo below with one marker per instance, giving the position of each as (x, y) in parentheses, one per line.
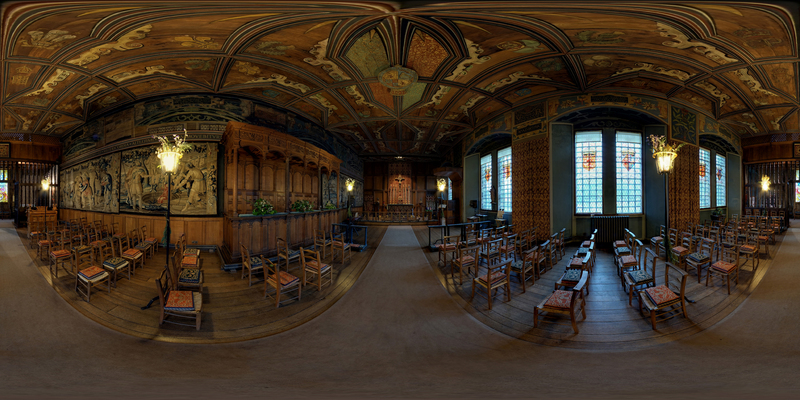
(288, 186)
(236, 184)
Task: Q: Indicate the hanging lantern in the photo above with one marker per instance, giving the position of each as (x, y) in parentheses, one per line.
(45, 184)
(663, 152)
(589, 160)
(764, 183)
(441, 184)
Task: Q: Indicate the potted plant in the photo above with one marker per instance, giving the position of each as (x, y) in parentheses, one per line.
(262, 207)
(717, 214)
(301, 206)
(329, 206)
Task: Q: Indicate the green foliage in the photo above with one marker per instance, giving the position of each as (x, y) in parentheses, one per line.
(301, 206)
(330, 206)
(262, 207)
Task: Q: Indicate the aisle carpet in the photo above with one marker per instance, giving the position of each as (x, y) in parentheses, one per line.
(395, 334)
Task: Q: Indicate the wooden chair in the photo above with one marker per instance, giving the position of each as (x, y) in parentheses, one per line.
(667, 300)
(250, 264)
(510, 247)
(339, 245)
(178, 303)
(525, 268)
(44, 244)
(727, 265)
(630, 261)
(497, 277)
(491, 253)
(280, 281)
(657, 242)
(133, 256)
(57, 257)
(565, 302)
(467, 258)
(702, 257)
(552, 250)
(89, 274)
(313, 267)
(149, 241)
(545, 251)
(35, 230)
(573, 273)
(187, 278)
(682, 250)
(749, 250)
(321, 241)
(639, 279)
(285, 254)
(137, 243)
(562, 243)
(112, 262)
(449, 246)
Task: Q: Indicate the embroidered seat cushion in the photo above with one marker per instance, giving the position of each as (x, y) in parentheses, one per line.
(255, 262)
(115, 263)
(60, 253)
(582, 250)
(143, 246)
(191, 252)
(700, 257)
(132, 253)
(656, 239)
(724, 266)
(189, 275)
(180, 301)
(680, 250)
(316, 267)
(763, 238)
(748, 248)
(81, 248)
(586, 243)
(97, 243)
(151, 240)
(44, 243)
(92, 273)
(661, 295)
(506, 249)
(189, 261)
(438, 246)
(496, 277)
(572, 275)
(559, 299)
(119, 235)
(465, 260)
(620, 243)
(638, 277)
(285, 277)
(622, 250)
(576, 262)
(628, 260)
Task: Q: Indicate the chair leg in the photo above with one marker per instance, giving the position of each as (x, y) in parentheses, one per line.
(653, 318)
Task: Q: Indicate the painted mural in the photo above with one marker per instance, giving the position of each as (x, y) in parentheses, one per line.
(143, 187)
(92, 185)
(683, 126)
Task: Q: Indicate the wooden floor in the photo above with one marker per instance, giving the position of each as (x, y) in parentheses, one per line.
(610, 322)
(232, 311)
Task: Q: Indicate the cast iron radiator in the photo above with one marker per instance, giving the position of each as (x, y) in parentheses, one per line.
(609, 228)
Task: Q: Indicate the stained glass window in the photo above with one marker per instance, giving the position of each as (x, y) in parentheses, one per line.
(629, 173)
(486, 182)
(797, 186)
(3, 174)
(588, 172)
(504, 179)
(720, 175)
(3, 192)
(449, 189)
(705, 178)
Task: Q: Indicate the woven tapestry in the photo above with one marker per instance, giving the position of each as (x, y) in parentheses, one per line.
(684, 189)
(531, 186)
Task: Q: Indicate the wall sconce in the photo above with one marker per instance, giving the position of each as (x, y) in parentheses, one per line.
(664, 160)
(441, 184)
(349, 184)
(45, 184)
(764, 183)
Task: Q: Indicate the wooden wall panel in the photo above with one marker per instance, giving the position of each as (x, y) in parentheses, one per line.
(684, 188)
(767, 152)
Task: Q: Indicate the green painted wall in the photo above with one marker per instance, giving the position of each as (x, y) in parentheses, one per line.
(654, 201)
(562, 178)
(471, 186)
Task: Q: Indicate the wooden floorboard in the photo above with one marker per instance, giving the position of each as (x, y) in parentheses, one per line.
(610, 322)
(232, 310)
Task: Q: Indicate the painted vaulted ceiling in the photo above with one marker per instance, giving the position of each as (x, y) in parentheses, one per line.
(395, 78)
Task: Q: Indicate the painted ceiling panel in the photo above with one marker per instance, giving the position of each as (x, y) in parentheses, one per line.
(368, 54)
(453, 65)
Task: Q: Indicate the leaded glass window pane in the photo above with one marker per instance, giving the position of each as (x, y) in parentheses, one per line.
(720, 175)
(629, 173)
(449, 189)
(705, 178)
(588, 172)
(486, 182)
(504, 179)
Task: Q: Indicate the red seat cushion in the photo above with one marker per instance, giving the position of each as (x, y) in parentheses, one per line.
(724, 266)
(620, 243)
(576, 262)
(132, 253)
(559, 299)
(680, 250)
(627, 260)
(586, 243)
(465, 260)
(180, 301)
(60, 253)
(285, 278)
(496, 277)
(189, 261)
(44, 243)
(748, 248)
(661, 294)
(92, 272)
